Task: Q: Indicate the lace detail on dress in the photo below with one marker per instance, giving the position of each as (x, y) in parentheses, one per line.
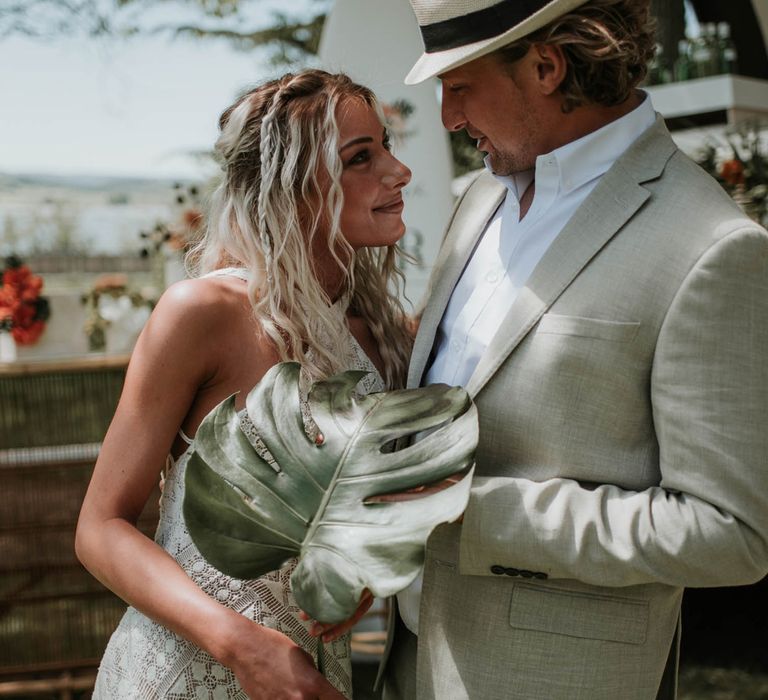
(250, 432)
(146, 661)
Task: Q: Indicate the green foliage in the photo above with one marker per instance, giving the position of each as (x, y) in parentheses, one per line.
(50, 18)
(290, 40)
(466, 157)
(290, 37)
(249, 510)
(712, 683)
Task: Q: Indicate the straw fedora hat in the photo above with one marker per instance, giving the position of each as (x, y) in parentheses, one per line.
(459, 31)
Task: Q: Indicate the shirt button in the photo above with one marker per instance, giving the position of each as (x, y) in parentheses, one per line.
(455, 346)
(492, 277)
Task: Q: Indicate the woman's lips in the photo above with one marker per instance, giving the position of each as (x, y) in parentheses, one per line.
(393, 207)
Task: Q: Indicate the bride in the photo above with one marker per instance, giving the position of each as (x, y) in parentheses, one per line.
(297, 263)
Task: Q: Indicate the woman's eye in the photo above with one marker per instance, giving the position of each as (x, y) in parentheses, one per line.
(359, 157)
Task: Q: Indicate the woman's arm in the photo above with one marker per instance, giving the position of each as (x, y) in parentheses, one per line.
(179, 352)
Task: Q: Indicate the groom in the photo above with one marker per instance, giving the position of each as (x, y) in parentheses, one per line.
(606, 305)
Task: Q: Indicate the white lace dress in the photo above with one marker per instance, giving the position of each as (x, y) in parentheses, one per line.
(146, 661)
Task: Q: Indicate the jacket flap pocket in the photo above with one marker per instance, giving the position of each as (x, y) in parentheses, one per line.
(617, 331)
(576, 614)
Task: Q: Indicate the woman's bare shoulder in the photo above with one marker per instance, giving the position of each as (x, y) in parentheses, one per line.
(202, 304)
(193, 321)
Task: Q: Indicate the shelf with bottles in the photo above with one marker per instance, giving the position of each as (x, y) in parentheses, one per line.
(717, 99)
(710, 53)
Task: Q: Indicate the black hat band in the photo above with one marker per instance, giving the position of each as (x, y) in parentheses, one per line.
(479, 25)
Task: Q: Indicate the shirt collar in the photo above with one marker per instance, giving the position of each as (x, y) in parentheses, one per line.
(589, 157)
(516, 184)
(580, 161)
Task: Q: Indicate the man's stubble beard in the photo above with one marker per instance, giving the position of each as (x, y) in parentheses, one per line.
(505, 164)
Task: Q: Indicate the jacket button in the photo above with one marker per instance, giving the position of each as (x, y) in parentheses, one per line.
(526, 574)
(511, 572)
(539, 574)
(496, 569)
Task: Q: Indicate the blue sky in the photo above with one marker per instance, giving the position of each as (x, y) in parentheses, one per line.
(129, 107)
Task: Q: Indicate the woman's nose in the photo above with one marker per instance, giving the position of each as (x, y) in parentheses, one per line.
(400, 174)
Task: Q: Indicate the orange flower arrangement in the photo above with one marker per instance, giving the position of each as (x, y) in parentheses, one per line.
(732, 172)
(23, 311)
(739, 162)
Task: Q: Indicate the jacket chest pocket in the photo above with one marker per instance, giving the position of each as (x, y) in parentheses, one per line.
(586, 356)
(582, 327)
(586, 379)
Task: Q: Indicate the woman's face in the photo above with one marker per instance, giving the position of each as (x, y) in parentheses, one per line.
(372, 179)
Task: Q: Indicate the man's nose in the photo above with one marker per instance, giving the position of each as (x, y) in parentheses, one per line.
(450, 113)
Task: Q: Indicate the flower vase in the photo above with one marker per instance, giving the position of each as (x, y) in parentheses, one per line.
(7, 347)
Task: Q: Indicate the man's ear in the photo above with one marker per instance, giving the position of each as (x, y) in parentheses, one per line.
(551, 67)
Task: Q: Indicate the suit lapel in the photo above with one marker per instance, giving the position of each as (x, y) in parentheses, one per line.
(475, 210)
(612, 203)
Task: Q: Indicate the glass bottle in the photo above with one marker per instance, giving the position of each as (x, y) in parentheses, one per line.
(726, 49)
(704, 52)
(683, 68)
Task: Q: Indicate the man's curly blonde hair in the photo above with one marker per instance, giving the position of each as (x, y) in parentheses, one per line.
(607, 45)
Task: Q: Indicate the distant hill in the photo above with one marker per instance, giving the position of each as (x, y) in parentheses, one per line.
(95, 183)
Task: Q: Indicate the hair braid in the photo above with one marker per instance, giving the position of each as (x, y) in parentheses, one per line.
(269, 148)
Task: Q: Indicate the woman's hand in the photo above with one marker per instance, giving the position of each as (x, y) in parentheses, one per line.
(269, 666)
(331, 631)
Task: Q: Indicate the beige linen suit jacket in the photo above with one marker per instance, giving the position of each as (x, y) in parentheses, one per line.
(623, 452)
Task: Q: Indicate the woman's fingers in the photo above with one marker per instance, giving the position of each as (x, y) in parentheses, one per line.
(330, 631)
(418, 491)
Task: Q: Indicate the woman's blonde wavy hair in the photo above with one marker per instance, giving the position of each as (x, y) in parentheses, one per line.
(607, 45)
(280, 191)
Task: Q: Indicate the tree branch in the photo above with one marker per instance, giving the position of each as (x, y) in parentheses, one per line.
(291, 39)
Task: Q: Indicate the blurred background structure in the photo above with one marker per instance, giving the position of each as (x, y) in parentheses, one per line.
(107, 120)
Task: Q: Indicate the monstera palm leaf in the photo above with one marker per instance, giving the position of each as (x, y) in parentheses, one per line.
(317, 499)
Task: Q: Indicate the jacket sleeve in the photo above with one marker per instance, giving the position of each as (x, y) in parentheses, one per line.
(706, 523)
